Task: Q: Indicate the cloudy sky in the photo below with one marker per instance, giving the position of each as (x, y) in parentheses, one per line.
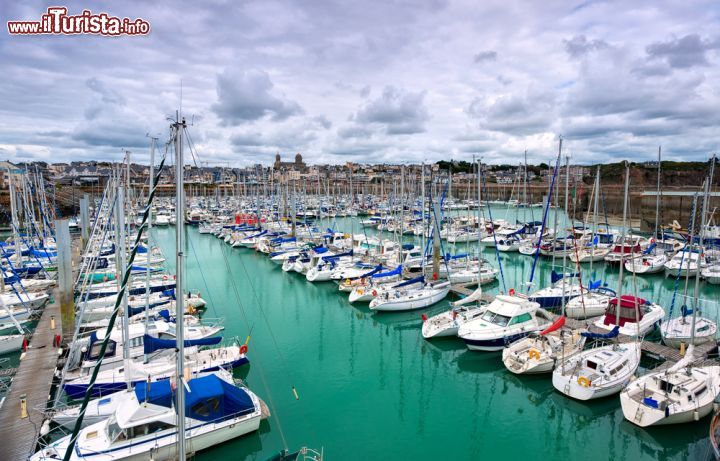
(385, 81)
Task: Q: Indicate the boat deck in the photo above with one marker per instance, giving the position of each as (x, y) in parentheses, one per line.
(651, 349)
(33, 379)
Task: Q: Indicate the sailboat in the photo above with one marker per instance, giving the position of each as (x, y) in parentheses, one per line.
(680, 394)
(539, 352)
(145, 423)
(678, 330)
(448, 323)
(602, 370)
(412, 294)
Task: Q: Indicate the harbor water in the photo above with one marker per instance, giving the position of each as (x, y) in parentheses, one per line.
(369, 387)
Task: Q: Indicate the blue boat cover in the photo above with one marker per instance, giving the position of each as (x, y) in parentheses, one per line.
(609, 335)
(650, 248)
(396, 271)
(419, 279)
(594, 284)
(157, 393)
(210, 399)
(152, 344)
(339, 255)
(685, 311)
(554, 276)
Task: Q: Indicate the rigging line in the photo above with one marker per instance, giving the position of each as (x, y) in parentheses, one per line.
(202, 275)
(544, 223)
(497, 252)
(111, 321)
(191, 146)
(224, 250)
(682, 258)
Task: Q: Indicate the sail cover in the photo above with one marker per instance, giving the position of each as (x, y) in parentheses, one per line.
(152, 344)
(419, 279)
(613, 333)
(396, 271)
(557, 324)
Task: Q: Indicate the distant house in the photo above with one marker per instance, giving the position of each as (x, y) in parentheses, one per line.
(6, 168)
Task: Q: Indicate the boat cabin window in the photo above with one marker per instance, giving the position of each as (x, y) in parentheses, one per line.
(700, 391)
(618, 368)
(666, 386)
(592, 365)
(147, 429)
(522, 318)
(497, 319)
(114, 432)
(206, 408)
(94, 352)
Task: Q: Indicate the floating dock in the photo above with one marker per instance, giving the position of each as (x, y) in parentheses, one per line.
(33, 382)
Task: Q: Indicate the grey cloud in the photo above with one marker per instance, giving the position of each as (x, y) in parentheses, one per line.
(322, 121)
(683, 52)
(515, 113)
(354, 131)
(487, 55)
(247, 95)
(396, 110)
(579, 46)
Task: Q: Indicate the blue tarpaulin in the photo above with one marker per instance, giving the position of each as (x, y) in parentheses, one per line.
(419, 279)
(157, 393)
(396, 271)
(152, 344)
(609, 335)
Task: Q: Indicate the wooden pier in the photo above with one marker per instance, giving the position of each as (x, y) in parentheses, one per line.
(465, 289)
(32, 381)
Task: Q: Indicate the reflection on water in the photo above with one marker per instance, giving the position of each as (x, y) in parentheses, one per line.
(371, 388)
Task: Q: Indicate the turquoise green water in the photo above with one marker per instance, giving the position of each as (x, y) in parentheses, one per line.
(370, 387)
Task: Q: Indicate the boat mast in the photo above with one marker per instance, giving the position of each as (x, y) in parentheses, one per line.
(596, 201)
(622, 242)
(121, 247)
(179, 297)
(657, 197)
(149, 233)
(572, 229)
(696, 294)
(15, 223)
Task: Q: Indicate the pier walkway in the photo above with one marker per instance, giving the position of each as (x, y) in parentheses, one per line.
(33, 380)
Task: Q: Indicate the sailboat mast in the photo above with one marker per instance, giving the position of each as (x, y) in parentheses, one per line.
(657, 196)
(149, 233)
(121, 242)
(179, 296)
(567, 215)
(696, 294)
(596, 200)
(622, 242)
